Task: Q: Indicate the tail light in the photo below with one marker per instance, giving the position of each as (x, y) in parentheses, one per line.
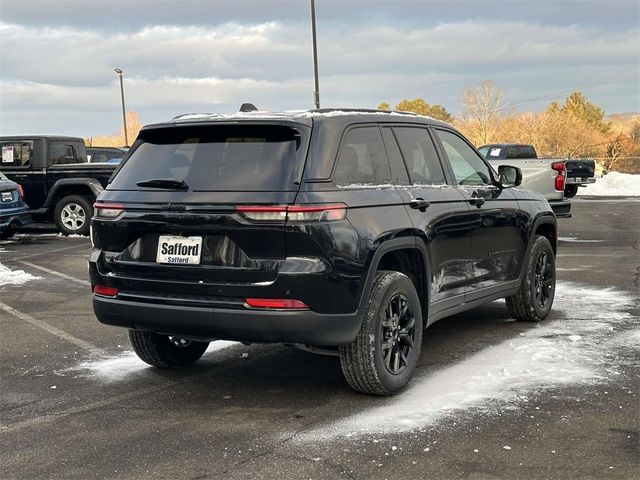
(294, 213)
(560, 179)
(21, 191)
(107, 210)
(105, 291)
(276, 303)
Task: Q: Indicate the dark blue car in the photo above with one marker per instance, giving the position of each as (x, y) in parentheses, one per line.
(14, 212)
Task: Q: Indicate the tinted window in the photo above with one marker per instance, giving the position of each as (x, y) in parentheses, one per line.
(484, 151)
(468, 167)
(398, 170)
(220, 157)
(420, 156)
(362, 159)
(521, 152)
(16, 154)
(62, 153)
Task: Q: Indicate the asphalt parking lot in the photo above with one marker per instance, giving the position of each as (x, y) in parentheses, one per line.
(492, 398)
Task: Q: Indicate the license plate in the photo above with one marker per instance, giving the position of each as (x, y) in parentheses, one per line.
(179, 250)
(7, 196)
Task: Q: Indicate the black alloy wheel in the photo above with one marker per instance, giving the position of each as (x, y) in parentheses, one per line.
(398, 334)
(384, 355)
(543, 280)
(534, 298)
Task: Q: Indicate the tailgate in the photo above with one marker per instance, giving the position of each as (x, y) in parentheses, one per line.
(580, 168)
(194, 232)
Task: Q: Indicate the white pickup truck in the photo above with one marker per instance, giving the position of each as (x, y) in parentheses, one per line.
(547, 176)
(579, 172)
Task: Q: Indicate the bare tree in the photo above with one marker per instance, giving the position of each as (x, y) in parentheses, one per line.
(481, 115)
(615, 150)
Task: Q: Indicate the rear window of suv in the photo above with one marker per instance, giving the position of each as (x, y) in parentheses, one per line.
(217, 158)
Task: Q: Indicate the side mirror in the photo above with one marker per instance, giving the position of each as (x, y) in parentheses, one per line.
(510, 176)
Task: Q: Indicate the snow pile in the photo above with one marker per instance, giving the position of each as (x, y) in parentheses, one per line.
(580, 347)
(614, 184)
(118, 367)
(14, 277)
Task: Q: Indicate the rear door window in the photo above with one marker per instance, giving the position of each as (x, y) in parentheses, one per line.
(420, 156)
(16, 154)
(521, 152)
(62, 153)
(217, 158)
(362, 159)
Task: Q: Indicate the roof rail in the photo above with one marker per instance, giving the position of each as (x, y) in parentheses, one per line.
(177, 117)
(361, 110)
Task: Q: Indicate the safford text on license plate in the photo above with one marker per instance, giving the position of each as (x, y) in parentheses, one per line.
(179, 250)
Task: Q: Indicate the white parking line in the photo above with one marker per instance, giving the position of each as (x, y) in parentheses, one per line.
(110, 400)
(48, 252)
(53, 272)
(51, 329)
(586, 254)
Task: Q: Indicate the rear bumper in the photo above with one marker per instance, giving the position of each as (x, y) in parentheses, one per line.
(14, 219)
(579, 180)
(249, 325)
(562, 208)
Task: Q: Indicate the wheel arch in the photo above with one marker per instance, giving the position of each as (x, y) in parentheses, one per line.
(400, 254)
(547, 227)
(85, 187)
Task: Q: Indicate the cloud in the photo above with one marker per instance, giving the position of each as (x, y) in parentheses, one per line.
(67, 73)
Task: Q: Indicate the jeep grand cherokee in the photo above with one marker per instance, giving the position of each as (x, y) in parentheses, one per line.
(348, 231)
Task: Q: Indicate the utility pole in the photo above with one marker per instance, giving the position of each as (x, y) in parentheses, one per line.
(124, 111)
(316, 93)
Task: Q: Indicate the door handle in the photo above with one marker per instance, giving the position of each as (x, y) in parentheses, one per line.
(21, 177)
(478, 202)
(419, 204)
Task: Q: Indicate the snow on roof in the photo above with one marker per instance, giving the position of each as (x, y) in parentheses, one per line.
(291, 114)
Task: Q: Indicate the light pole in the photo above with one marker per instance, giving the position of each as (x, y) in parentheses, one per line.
(124, 111)
(316, 93)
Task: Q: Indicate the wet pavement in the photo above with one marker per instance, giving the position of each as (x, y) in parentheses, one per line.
(491, 398)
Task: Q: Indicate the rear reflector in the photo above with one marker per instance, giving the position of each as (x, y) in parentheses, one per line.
(105, 291)
(276, 303)
(293, 213)
(108, 210)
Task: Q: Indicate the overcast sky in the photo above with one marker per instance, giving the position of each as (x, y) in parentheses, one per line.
(57, 57)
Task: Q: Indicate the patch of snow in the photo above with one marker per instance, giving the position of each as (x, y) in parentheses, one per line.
(72, 235)
(575, 347)
(118, 367)
(386, 186)
(614, 184)
(578, 240)
(15, 277)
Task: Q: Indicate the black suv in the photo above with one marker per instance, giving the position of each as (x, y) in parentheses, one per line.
(341, 231)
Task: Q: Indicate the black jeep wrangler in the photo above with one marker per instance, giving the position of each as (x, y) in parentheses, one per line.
(58, 182)
(344, 231)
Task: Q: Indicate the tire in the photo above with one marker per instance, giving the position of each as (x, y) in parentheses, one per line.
(570, 191)
(164, 351)
(8, 232)
(72, 215)
(534, 298)
(364, 363)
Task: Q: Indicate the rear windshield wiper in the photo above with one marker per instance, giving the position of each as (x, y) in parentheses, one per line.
(163, 183)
